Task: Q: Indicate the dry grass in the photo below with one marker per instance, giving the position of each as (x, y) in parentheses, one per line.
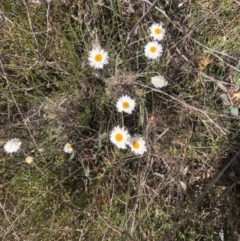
(51, 96)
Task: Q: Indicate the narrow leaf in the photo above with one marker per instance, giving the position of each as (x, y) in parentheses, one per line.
(72, 155)
(221, 86)
(87, 171)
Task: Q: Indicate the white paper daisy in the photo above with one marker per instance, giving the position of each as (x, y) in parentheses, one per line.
(119, 137)
(126, 104)
(153, 50)
(138, 145)
(12, 145)
(159, 81)
(157, 32)
(68, 148)
(97, 58)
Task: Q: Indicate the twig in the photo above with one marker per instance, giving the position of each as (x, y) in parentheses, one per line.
(212, 50)
(163, 13)
(201, 197)
(30, 24)
(186, 105)
(210, 185)
(5, 213)
(162, 134)
(48, 24)
(233, 67)
(138, 22)
(4, 18)
(211, 79)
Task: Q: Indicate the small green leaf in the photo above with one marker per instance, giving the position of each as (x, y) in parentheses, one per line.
(225, 99)
(234, 111)
(236, 80)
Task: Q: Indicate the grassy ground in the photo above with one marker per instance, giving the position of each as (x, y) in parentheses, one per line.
(50, 96)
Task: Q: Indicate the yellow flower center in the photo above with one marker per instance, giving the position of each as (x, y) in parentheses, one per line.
(157, 31)
(29, 160)
(119, 137)
(68, 147)
(98, 57)
(125, 105)
(136, 145)
(153, 49)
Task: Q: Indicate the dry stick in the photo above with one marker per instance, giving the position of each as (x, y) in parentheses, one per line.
(4, 18)
(201, 197)
(5, 214)
(186, 105)
(48, 25)
(138, 22)
(210, 185)
(233, 67)
(163, 13)
(30, 24)
(212, 50)
(211, 79)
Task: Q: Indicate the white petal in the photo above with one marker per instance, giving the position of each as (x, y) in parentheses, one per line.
(153, 55)
(125, 100)
(122, 144)
(157, 36)
(159, 81)
(141, 148)
(12, 145)
(92, 58)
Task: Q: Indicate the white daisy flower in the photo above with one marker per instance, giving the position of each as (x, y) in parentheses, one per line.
(119, 136)
(153, 50)
(157, 32)
(13, 145)
(159, 81)
(97, 58)
(68, 148)
(126, 104)
(29, 160)
(138, 145)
